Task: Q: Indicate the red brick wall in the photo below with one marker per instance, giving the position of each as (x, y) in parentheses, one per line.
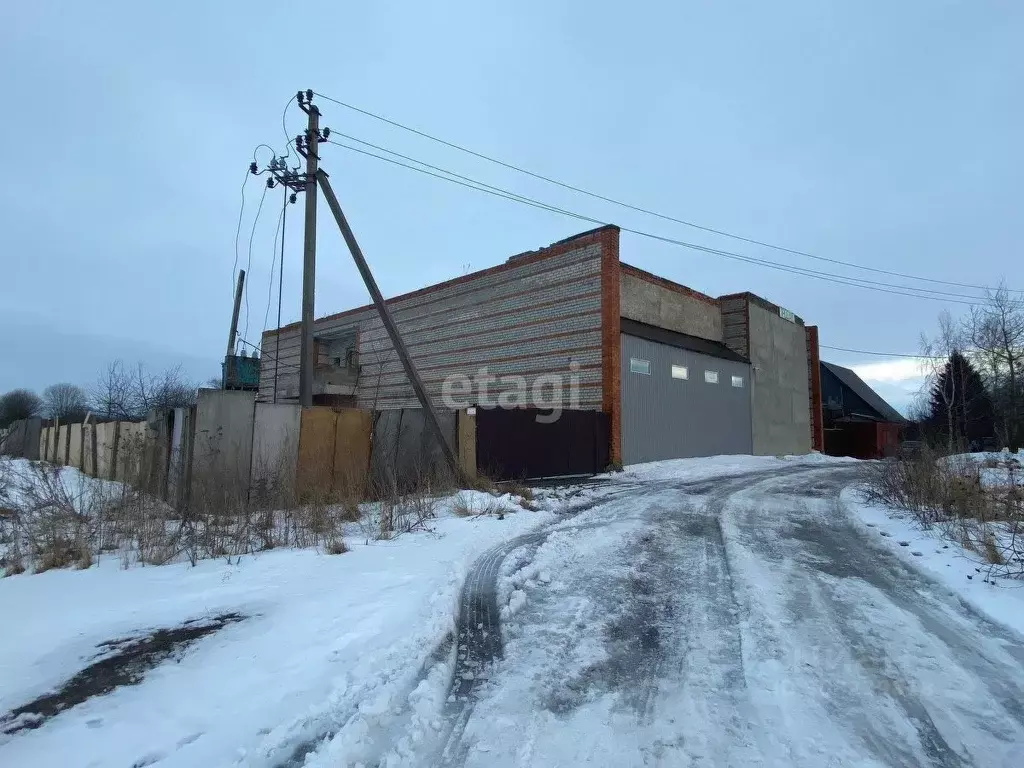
(814, 387)
(611, 281)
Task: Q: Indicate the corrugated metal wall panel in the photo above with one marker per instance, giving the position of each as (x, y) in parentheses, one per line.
(667, 418)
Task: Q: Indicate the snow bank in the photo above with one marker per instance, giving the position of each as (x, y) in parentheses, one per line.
(963, 572)
(713, 466)
(25, 478)
(330, 642)
(998, 469)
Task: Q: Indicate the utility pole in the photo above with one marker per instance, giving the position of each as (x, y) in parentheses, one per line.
(233, 333)
(306, 345)
(389, 323)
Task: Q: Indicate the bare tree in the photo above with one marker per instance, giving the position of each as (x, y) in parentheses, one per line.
(112, 393)
(19, 404)
(66, 402)
(996, 333)
(130, 393)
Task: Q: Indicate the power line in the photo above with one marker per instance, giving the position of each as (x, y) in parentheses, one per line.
(257, 348)
(248, 266)
(284, 126)
(273, 259)
(238, 229)
(560, 210)
(649, 212)
(515, 197)
(280, 293)
(880, 354)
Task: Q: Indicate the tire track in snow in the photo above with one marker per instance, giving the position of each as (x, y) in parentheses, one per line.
(643, 637)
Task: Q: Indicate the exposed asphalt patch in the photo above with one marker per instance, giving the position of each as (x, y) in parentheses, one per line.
(122, 662)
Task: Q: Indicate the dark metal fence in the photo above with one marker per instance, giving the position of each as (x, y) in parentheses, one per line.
(511, 444)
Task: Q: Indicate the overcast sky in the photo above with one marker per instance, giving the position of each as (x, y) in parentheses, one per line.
(886, 134)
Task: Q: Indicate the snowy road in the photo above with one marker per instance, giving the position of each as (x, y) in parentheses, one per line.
(732, 622)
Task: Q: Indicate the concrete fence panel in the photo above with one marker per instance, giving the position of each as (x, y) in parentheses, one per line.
(223, 436)
(75, 452)
(106, 449)
(61, 449)
(23, 439)
(275, 449)
(179, 460)
(89, 446)
(48, 443)
(131, 440)
(405, 451)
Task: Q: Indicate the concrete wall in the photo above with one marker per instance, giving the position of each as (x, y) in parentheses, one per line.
(780, 397)
(106, 436)
(658, 302)
(88, 462)
(530, 316)
(131, 449)
(48, 444)
(223, 437)
(61, 454)
(75, 453)
(179, 462)
(24, 439)
(275, 445)
(404, 450)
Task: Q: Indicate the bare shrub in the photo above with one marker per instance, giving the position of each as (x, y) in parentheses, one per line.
(471, 505)
(336, 546)
(949, 493)
(520, 489)
(483, 483)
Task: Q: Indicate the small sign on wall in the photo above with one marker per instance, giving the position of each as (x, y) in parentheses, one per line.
(785, 314)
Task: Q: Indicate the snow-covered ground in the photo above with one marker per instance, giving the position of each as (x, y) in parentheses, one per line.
(746, 621)
(964, 572)
(324, 637)
(726, 611)
(998, 469)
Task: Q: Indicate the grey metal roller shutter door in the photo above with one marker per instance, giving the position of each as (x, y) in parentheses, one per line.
(669, 418)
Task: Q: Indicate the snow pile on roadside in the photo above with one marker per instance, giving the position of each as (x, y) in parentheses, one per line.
(343, 646)
(713, 466)
(963, 571)
(22, 480)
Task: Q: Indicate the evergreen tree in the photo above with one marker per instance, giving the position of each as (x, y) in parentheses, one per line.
(961, 409)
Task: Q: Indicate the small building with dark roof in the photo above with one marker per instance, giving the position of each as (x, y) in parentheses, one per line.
(857, 421)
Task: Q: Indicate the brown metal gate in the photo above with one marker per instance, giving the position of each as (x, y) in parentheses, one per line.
(511, 444)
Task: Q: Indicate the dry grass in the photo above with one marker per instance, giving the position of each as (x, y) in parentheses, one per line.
(993, 553)
(469, 505)
(949, 494)
(220, 516)
(520, 489)
(336, 547)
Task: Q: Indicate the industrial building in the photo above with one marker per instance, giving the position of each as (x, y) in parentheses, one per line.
(667, 371)
(857, 421)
